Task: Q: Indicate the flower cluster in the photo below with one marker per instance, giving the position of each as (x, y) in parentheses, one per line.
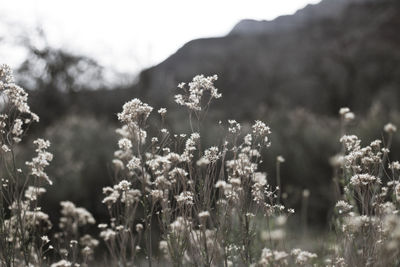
(174, 179)
(24, 226)
(14, 94)
(134, 111)
(73, 216)
(193, 97)
(42, 160)
(209, 204)
(346, 114)
(296, 257)
(368, 205)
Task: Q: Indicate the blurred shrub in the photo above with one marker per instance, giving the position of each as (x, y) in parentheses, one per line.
(83, 148)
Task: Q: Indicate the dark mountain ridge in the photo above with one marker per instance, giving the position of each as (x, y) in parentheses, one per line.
(327, 53)
(325, 9)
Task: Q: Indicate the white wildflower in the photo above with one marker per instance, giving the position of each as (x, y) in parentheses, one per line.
(185, 198)
(303, 257)
(280, 159)
(343, 206)
(108, 234)
(112, 196)
(162, 111)
(204, 214)
(62, 263)
(124, 144)
(234, 127)
(134, 163)
(102, 225)
(248, 139)
(139, 227)
(197, 87)
(17, 128)
(45, 239)
(134, 111)
(156, 194)
(344, 110)
(395, 165)
(260, 129)
(363, 179)
(349, 116)
(390, 128)
(123, 185)
(260, 178)
(220, 184)
(42, 160)
(32, 192)
(212, 154)
(190, 146)
(5, 148)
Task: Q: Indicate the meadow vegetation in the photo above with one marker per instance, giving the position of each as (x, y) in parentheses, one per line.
(174, 201)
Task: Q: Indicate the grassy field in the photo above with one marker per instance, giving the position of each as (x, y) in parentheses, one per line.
(176, 202)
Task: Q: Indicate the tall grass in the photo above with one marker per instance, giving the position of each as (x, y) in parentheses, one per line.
(210, 206)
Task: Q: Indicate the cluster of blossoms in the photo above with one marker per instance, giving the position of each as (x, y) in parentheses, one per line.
(243, 175)
(25, 212)
(32, 193)
(260, 129)
(24, 227)
(207, 203)
(122, 192)
(32, 218)
(212, 206)
(15, 95)
(190, 146)
(363, 180)
(69, 242)
(16, 101)
(193, 97)
(360, 159)
(195, 194)
(234, 126)
(134, 115)
(74, 217)
(346, 114)
(134, 111)
(41, 161)
(211, 155)
(390, 128)
(296, 257)
(368, 203)
(64, 263)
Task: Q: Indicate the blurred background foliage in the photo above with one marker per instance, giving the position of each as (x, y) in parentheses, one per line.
(293, 73)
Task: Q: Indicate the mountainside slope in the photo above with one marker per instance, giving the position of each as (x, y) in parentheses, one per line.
(330, 57)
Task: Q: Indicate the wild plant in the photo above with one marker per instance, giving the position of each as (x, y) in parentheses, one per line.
(209, 204)
(367, 221)
(24, 227)
(178, 201)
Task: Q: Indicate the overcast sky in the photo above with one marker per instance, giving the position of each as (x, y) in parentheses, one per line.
(132, 34)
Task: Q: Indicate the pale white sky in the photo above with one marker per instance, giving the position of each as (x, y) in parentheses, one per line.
(129, 35)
